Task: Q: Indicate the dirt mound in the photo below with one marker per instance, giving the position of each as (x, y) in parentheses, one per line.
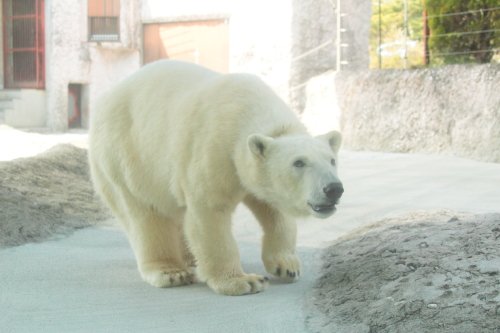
(435, 272)
(46, 195)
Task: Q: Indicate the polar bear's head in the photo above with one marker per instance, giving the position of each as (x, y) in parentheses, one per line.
(298, 174)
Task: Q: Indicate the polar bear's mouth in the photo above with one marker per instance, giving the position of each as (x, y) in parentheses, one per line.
(323, 209)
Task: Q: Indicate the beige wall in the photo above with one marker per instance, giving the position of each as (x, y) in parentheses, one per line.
(204, 42)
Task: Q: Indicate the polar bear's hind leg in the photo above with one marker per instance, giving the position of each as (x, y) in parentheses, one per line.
(159, 247)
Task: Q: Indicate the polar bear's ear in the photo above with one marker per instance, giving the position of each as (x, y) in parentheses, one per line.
(259, 144)
(334, 139)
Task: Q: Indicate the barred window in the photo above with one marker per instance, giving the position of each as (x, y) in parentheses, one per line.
(104, 20)
(23, 43)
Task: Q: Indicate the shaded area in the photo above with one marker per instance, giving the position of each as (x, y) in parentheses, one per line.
(425, 272)
(46, 195)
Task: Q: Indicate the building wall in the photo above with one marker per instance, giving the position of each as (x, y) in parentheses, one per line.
(260, 42)
(260, 32)
(70, 58)
(27, 109)
(265, 37)
(65, 56)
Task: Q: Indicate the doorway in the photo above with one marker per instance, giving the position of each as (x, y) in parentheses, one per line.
(74, 105)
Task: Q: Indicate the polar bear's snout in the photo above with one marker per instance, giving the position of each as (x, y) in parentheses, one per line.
(333, 191)
(325, 205)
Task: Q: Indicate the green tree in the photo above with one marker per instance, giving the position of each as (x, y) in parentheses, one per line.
(392, 30)
(463, 31)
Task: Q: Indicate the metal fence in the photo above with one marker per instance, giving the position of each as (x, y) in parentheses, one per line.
(403, 35)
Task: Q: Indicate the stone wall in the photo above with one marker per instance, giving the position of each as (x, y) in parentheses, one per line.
(452, 110)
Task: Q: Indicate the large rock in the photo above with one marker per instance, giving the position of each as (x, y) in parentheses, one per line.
(423, 272)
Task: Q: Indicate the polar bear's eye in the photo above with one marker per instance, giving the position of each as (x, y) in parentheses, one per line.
(333, 162)
(299, 164)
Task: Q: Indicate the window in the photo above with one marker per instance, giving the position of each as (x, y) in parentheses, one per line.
(104, 20)
(23, 43)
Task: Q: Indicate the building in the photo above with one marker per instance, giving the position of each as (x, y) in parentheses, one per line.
(58, 56)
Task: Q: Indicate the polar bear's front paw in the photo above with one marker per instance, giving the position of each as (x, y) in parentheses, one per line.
(163, 275)
(239, 285)
(283, 266)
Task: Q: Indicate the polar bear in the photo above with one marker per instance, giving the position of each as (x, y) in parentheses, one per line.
(174, 148)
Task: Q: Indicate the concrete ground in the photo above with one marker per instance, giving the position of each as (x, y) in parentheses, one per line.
(88, 282)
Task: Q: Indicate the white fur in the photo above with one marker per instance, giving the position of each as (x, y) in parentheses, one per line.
(176, 147)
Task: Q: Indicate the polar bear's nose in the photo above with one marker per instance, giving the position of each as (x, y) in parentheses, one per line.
(334, 190)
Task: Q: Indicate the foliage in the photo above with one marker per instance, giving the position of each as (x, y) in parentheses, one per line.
(447, 31)
(392, 30)
(453, 38)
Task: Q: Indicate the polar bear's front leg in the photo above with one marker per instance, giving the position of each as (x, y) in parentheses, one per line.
(279, 241)
(214, 247)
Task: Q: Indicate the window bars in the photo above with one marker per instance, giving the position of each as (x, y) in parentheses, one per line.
(104, 20)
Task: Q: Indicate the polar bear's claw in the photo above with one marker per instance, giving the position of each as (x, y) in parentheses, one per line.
(163, 277)
(240, 285)
(285, 267)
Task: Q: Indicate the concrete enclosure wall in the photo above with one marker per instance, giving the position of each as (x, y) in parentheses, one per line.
(452, 110)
